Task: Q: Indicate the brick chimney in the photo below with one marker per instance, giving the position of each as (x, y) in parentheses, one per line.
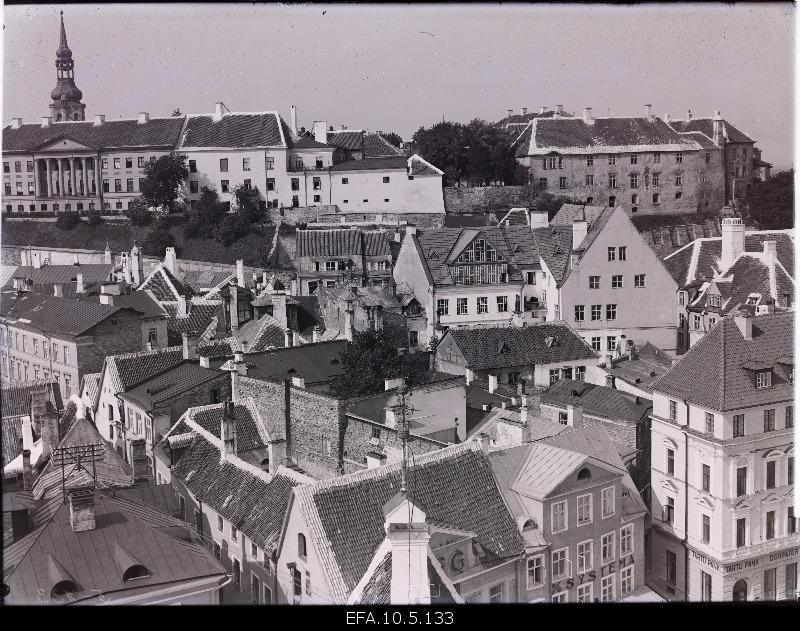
(27, 470)
(293, 119)
(580, 228)
(716, 122)
(732, 241)
(493, 379)
(543, 109)
(744, 322)
(79, 288)
(587, 115)
(58, 290)
(191, 341)
(648, 112)
(82, 508)
(315, 335)
(228, 431)
(575, 415)
(407, 531)
(349, 321)
(45, 417)
(141, 467)
(524, 111)
(218, 111)
(46, 120)
(171, 261)
(469, 375)
(611, 380)
(277, 454)
(288, 338)
(16, 123)
(144, 118)
(99, 119)
(240, 273)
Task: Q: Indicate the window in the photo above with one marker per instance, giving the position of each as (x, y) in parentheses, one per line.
(247, 184)
(623, 253)
(6, 168)
(237, 574)
(562, 182)
(611, 342)
(706, 528)
(616, 281)
(741, 481)
(483, 304)
(116, 163)
(769, 420)
(596, 343)
(502, 304)
(634, 180)
(612, 181)
(790, 470)
(19, 192)
(193, 186)
(770, 524)
(301, 545)
(559, 564)
(770, 582)
(640, 280)
(580, 373)
(317, 183)
(496, 593)
(224, 185)
(679, 158)
(128, 163)
(594, 282)
(770, 474)
(223, 165)
(8, 192)
(535, 571)
(558, 516)
(738, 425)
(442, 306)
(789, 416)
(607, 501)
(542, 183)
(612, 160)
(316, 198)
(129, 185)
(270, 164)
(706, 478)
(679, 179)
(705, 585)
(764, 379)
(612, 254)
(118, 186)
(461, 306)
(741, 531)
(31, 189)
(579, 313)
(555, 375)
(672, 568)
(607, 588)
(626, 540)
(791, 522)
(709, 423)
(584, 509)
(791, 580)
(585, 557)
(611, 312)
(295, 184)
(589, 161)
(586, 593)
(590, 180)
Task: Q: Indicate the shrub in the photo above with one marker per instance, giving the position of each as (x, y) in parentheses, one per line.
(232, 228)
(138, 213)
(67, 220)
(94, 218)
(158, 239)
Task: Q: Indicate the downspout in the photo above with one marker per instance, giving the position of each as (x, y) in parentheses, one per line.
(686, 506)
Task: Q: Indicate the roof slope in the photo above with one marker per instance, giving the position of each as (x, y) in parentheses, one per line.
(235, 130)
(601, 400)
(706, 127)
(342, 243)
(62, 274)
(163, 388)
(713, 373)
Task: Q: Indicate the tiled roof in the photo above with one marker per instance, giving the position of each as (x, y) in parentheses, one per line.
(126, 526)
(200, 317)
(90, 384)
(130, 368)
(158, 132)
(706, 127)
(570, 212)
(203, 280)
(316, 363)
(63, 274)
(574, 135)
(378, 589)
(209, 417)
(308, 142)
(349, 139)
(712, 373)
(56, 316)
(224, 347)
(166, 386)
(165, 286)
(453, 485)
(235, 130)
(376, 145)
(342, 243)
(524, 119)
(491, 348)
(17, 396)
(642, 371)
(372, 164)
(261, 334)
(598, 400)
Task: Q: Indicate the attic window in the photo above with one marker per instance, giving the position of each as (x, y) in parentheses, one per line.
(502, 347)
(584, 474)
(764, 379)
(753, 299)
(135, 572)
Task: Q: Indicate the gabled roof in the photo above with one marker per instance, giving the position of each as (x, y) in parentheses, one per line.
(370, 143)
(261, 334)
(265, 129)
(17, 396)
(568, 213)
(706, 127)
(598, 400)
(157, 133)
(126, 370)
(712, 374)
(63, 274)
(453, 485)
(164, 286)
(342, 243)
(126, 520)
(541, 344)
(164, 387)
(91, 384)
(201, 317)
(307, 142)
(649, 364)
(574, 135)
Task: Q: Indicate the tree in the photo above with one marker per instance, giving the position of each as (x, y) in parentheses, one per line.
(67, 220)
(232, 228)
(443, 146)
(248, 204)
(94, 217)
(392, 138)
(177, 112)
(162, 179)
(158, 239)
(373, 356)
(770, 204)
(138, 212)
(208, 213)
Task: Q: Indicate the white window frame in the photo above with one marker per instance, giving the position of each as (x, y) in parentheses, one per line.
(583, 597)
(585, 562)
(626, 574)
(608, 584)
(532, 562)
(459, 303)
(626, 535)
(603, 494)
(552, 516)
(567, 573)
(612, 537)
(578, 509)
(561, 597)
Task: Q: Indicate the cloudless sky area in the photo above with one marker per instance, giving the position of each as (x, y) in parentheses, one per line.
(399, 67)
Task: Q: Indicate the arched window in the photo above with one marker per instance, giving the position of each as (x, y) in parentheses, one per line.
(740, 590)
(584, 474)
(265, 464)
(301, 545)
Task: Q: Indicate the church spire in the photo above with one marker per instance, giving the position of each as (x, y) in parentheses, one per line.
(66, 96)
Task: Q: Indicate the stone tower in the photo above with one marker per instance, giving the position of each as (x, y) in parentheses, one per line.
(66, 96)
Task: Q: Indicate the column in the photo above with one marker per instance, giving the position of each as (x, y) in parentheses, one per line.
(85, 174)
(72, 176)
(49, 192)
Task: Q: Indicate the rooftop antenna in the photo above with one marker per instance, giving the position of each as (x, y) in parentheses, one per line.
(404, 409)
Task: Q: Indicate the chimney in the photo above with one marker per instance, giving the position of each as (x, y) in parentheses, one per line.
(560, 110)
(233, 311)
(46, 120)
(391, 384)
(732, 241)
(16, 123)
(171, 261)
(299, 382)
(144, 117)
(293, 119)
(276, 451)
(407, 532)
(375, 460)
(99, 119)
(648, 112)
(141, 468)
(716, 121)
(137, 265)
(689, 115)
(320, 131)
(240, 273)
(228, 431)
(524, 111)
(205, 361)
(79, 288)
(483, 441)
(580, 228)
(469, 375)
(770, 249)
(543, 109)
(58, 290)
(611, 380)
(45, 416)
(316, 333)
(508, 113)
(149, 344)
(587, 115)
(240, 363)
(348, 321)
(575, 415)
(27, 470)
(667, 118)
(288, 338)
(538, 218)
(492, 382)
(81, 508)
(182, 307)
(75, 260)
(190, 344)
(744, 321)
(218, 111)
(108, 257)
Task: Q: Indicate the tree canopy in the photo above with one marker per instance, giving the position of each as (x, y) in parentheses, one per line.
(770, 204)
(393, 138)
(207, 214)
(162, 179)
(476, 154)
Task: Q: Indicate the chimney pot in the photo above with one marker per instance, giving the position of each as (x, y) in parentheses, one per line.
(493, 381)
(58, 290)
(524, 111)
(190, 344)
(144, 117)
(218, 111)
(509, 112)
(46, 120)
(587, 115)
(16, 123)
(543, 109)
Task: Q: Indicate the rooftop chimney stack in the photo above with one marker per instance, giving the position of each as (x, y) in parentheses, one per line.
(320, 131)
(228, 430)
(580, 228)
(144, 118)
(560, 110)
(293, 120)
(27, 470)
(81, 508)
(46, 120)
(667, 118)
(509, 112)
(315, 335)
(744, 321)
(543, 109)
(288, 338)
(75, 260)
(732, 241)
(408, 535)
(493, 379)
(240, 273)
(648, 112)
(183, 309)
(276, 451)
(99, 119)
(58, 290)
(16, 123)
(171, 261)
(79, 288)
(218, 111)
(524, 111)
(587, 115)
(689, 115)
(717, 128)
(771, 250)
(45, 417)
(190, 344)
(469, 375)
(349, 321)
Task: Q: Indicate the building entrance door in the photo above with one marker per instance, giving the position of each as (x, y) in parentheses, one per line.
(740, 590)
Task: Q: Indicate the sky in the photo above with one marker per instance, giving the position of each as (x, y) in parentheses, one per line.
(400, 67)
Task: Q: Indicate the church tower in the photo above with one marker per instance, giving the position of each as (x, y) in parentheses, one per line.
(66, 96)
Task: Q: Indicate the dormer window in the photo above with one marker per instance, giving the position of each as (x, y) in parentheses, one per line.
(753, 299)
(713, 300)
(764, 379)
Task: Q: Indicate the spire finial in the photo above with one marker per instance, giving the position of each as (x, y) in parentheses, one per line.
(63, 32)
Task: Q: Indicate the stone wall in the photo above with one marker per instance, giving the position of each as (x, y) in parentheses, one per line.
(471, 199)
(333, 215)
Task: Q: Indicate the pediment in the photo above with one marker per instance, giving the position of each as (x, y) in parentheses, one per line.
(64, 143)
(741, 505)
(668, 442)
(704, 501)
(772, 498)
(669, 485)
(772, 453)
